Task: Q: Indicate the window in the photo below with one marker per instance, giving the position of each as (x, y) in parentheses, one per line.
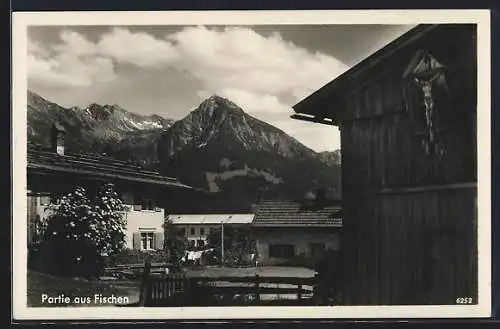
(148, 204)
(202, 231)
(182, 231)
(201, 243)
(281, 251)
(144, 203)
(191, 244)
(147, 240)
(45, 200)
(192, 230)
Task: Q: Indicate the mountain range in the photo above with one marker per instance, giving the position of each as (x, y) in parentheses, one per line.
(217, 147)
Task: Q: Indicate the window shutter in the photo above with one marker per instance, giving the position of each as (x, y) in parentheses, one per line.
(158, 240)
(136, 237)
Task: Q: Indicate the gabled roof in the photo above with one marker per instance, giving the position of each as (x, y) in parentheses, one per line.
(41, 160)
(210, 219)
(296, 214)
(317, 106)
(423, 63)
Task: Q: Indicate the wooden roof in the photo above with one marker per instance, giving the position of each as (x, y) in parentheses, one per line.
(313, 108)
(296, 214)
(41, 160)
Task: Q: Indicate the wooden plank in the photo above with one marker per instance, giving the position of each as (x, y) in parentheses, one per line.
(387, 252)
(397, 269)
(372, 212)
(427, 188)
(314, 119)
(242, 290)
(262, 279)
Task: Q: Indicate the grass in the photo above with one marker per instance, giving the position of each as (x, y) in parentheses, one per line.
(40, 284)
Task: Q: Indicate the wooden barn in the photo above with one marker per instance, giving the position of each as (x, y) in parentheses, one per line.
(407, 119)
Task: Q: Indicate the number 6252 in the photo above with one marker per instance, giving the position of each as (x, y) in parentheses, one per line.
(464, 300)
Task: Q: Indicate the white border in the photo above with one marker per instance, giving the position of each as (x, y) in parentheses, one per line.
(21, 21)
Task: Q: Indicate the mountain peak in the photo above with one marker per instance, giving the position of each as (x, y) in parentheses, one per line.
(216, 104)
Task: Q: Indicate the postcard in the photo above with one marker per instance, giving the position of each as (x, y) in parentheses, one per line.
(251, 165)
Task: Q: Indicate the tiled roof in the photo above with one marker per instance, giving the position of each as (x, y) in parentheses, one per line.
(93, 165)
(290, 213)
(195, 219)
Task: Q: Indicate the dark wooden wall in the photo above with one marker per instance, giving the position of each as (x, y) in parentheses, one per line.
(410, 216)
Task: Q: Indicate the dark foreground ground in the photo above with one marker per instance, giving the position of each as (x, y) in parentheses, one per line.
(82, 292)
(40, 284)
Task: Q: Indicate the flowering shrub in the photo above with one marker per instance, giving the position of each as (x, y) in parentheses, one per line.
(130, 256)
(80, 231)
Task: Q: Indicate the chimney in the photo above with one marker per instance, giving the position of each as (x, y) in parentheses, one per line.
(57, 138)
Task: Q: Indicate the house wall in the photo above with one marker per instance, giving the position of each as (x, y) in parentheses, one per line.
(301, 238)
(197, 234)
(138, 220)
(143, 221)
(37, 212)
(410, 216)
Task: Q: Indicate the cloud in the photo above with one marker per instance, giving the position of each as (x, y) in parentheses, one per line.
(264, 75)
(242, 59)
(69, 71)
(140, 49)
(73, 63)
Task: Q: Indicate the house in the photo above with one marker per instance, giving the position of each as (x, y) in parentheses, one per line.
(407, 119)
(197, 227)
(53, 172)
(288, 230)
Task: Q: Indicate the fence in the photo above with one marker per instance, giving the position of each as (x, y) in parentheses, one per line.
(177, 289)
(132, 271)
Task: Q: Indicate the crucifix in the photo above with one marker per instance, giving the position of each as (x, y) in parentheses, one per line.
(426, 87)
(425, 73)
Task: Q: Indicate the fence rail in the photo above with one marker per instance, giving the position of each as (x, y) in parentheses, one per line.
(307, 281)
(179, 290)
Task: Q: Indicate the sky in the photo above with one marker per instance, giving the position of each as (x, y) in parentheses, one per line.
(170, 70)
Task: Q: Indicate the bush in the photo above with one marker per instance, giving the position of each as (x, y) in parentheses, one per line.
(175, 245)
(80, 232)
(130, 256)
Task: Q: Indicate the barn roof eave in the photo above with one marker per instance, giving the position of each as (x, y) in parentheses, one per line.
(313, 106)
(41, 169)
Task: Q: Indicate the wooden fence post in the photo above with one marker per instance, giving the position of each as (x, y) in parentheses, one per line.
(317, 289)
(257, 287)
(145, 284)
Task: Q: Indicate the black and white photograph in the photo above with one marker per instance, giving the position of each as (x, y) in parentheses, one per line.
(251, 165)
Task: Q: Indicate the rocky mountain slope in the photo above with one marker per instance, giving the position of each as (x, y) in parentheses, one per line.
(217, 147)
(221, 148)
(97, 128)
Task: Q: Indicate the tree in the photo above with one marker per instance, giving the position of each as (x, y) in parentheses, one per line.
(175, 244)
(81, 231)
(238, 244)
